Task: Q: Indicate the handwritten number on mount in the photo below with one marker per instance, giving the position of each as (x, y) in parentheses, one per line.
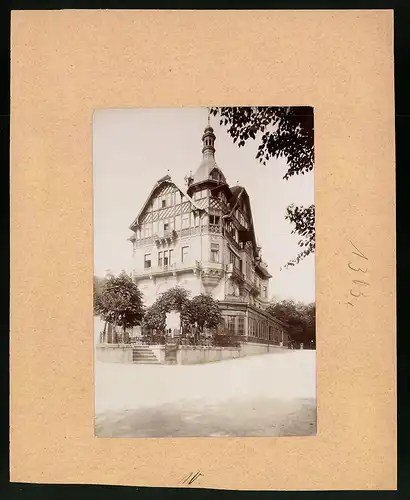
(191, 477)
(356, 293)
(359, 253)
(358, 269)
(360, 282)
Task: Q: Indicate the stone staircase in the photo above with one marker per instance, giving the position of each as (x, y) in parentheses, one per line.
(142, 354)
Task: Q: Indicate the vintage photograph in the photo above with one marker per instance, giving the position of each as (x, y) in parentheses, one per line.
(204, 272)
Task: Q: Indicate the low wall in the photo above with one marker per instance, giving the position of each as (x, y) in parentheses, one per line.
(250, 349)
(186, 355)
(189, 355)
(195, 355)
(114, 353)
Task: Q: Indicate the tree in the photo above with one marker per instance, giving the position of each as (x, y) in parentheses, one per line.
(120, 302)
(174, 299)
(282, 132)
(304, 222)
(98, 285)
(154, 319)
(300, 317)
(204, 312)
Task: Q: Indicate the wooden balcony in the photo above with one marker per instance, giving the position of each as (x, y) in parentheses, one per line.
(165, 237)
(234, 272)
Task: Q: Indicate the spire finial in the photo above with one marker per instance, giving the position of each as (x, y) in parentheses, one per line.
(209, 117)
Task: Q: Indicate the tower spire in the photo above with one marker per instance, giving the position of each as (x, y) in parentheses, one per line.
(208, 141)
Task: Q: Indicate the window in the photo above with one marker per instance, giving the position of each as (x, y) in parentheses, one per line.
(184, 254)
(166, 226)
(241, 325)
(171, 252)
(160, 255)
(200, 194)
(214, 219)
(185, 221)
(214, 252)
(248, 270)
(166, 262)
(233, 259)
(194, 220)
(147, 261)
(231, 324)
(163, 202)
(265, 292)
(147, 230)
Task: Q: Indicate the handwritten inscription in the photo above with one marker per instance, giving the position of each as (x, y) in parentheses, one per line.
(359, 265)
(191, 477)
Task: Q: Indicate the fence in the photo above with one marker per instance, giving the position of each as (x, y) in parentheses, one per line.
(191, 338)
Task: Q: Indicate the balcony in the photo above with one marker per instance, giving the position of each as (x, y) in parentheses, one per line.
(234, 272)
(214, 228)
(155, 271)
(165, 237)
(166, 270)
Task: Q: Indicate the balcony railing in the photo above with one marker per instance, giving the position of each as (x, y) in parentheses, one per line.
(164, 236)
(173, 234)
(166, 269)
(231, 269)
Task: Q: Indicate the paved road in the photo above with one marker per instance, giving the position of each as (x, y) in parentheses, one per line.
(266, 395)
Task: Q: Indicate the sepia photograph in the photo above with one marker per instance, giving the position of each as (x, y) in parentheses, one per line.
(204, 272)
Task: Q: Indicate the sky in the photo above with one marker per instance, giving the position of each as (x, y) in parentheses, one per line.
(133, 148)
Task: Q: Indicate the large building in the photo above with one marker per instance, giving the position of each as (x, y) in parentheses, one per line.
(201, 237)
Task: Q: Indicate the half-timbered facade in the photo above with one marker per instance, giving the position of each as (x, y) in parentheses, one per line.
(201, 237)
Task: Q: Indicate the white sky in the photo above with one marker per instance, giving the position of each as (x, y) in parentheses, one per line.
(133, 148)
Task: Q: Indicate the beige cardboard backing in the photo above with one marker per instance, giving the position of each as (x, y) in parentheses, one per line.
(65, 64)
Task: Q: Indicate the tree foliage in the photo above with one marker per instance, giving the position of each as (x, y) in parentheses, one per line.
(120, 302)
(303, 219)
(300, 317)
(174, 299)
(98, 285)
(282, 132)
(196, 314)
(154, 319)
(204, 312)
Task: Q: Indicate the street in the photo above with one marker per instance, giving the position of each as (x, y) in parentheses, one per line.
(265, 395)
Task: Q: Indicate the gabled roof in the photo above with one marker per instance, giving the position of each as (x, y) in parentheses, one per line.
(164, 180)
(239, 192)
(260, 267)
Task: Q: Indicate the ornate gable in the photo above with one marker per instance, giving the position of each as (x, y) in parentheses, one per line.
(165, 190)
